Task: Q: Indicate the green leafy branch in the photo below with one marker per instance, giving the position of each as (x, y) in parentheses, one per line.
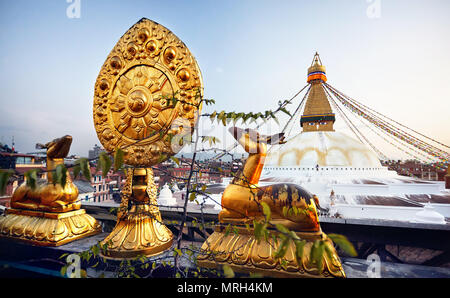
(284, 237)
(59, 174)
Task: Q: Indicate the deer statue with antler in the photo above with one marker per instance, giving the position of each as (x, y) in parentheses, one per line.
(241, 200)
(48, 195)
(243, 209)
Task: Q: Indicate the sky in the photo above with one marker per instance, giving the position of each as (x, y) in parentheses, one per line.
(392, 56)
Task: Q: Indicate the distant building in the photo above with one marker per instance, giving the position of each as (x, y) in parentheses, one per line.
(95, 152)
(101, 188)
(86, 192)
(106, 188)
(417, 169)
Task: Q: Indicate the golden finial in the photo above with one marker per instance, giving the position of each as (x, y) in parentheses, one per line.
(316, 59)
(317, 115)
(317, 71)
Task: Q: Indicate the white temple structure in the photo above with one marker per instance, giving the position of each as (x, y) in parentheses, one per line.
(339, 168)
(165, 197)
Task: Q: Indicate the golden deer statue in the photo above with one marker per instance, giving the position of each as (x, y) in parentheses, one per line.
(242, 205)
(48, 214)
(242, 198)
(49, 196)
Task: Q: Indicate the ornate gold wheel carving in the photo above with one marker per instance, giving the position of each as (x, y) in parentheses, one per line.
(133, 106)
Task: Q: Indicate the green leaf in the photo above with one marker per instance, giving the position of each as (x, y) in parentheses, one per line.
(282, 249)
(63, 255)
(227, 271)
(282, 228)
(285, 211)
(192, 196)
(266, 235)
(276, 120)
(178, 251)
(256, 275)
(227, 230)
(343, 244)
(247, 226)
(299, 247)
(118, 159)
(208, 101)
(212, 116)
(293, 235)
(104, 163)
(95, 250)
(4, 177)
(285, 111)
(220, 116)
(85, 169)
(316, 254)
(258, 229)
(224, 120)
(31, 178)
(266, 210)
(63, 271)
(76, 169)
(60, 175)
(246, 116)
(163, 157)
(174, 101)
(328, 250)
(176, 160)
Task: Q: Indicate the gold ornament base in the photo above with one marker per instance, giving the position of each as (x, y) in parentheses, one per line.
(244, 254)
(139, 232)
(47, 228)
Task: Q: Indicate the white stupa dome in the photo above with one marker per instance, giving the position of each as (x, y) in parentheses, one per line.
(165, 197)
(346, 174)
(324, 149)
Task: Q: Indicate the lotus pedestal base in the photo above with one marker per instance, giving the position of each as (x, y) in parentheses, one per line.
(139, 232)
(47, 228)
(243, 253)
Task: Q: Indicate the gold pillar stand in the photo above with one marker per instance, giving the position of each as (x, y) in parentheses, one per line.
(47, 228)
(139, 229)
(244, 254)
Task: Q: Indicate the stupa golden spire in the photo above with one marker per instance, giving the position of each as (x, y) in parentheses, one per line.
(318, 115)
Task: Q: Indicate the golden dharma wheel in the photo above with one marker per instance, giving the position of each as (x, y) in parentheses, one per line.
(147, 95)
